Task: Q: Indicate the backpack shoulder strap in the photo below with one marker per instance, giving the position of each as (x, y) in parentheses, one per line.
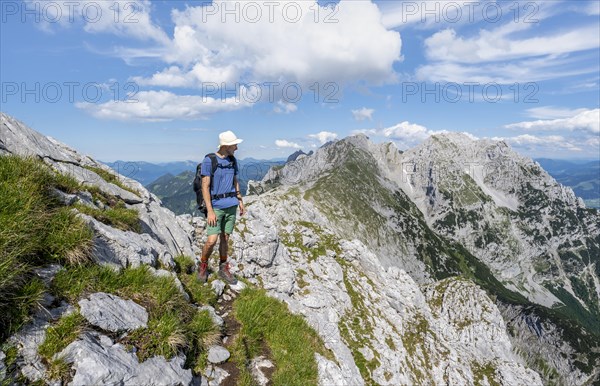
(214, 163)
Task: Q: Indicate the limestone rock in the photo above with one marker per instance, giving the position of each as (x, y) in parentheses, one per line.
(2, 366)
(97, 360)
(113, 313)
(214, 376)
(218, 286)
(217, 354)
(256, 368)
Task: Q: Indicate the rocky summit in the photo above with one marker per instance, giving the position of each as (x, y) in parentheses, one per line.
(457, 262)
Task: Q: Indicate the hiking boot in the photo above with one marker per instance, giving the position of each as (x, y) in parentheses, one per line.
(203, 273)
(225, 274)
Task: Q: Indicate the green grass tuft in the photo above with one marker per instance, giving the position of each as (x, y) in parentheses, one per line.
(290, 339)
(35, 230)
(118, 216)
(199, 293)
(61, 335)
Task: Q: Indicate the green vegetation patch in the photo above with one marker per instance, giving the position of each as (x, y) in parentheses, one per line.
(61, 334)
(485, 371)
(291, 341)
(324, 241)
(118, 216)
(35, 230)
(356, 328)
(199, 293)
(173, 325)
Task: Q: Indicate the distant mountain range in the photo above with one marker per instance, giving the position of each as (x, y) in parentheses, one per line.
(583, 178)
(175, 190)
(172, 181)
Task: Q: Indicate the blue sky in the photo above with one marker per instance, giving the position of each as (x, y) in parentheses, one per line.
(157, 81)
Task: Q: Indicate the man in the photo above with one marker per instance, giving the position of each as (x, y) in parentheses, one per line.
(222, 196)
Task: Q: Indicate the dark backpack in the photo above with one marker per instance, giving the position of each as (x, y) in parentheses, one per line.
(197, 185)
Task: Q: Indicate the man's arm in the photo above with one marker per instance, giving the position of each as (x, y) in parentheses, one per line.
(211, 217)
(238, 194)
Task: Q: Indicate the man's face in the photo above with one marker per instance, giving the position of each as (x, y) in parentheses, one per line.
(231, 149)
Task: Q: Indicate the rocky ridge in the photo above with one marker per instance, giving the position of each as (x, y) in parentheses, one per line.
(392, 310)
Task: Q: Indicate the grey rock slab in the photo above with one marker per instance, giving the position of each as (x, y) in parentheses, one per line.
(113, 313)
(91, 178)
(33, 334)
(238, 287)
(256, 369)
(215, 375)
(98, 361)
(218, 286)
(48, 273)
(121, 249)
(21, 140)
(164, 226)
(330, 373)
(2, 366)
(217, 354)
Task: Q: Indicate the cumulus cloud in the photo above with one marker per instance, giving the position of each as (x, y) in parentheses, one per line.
(324, 136)
(404, 134)
(587, 120)
(282, 143)
(285, 107)
(362, 114)
(407, 131)
(161, 106)
(265, 44)
(227, 43)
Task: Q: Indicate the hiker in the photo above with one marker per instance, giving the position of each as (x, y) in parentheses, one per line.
(222, 196)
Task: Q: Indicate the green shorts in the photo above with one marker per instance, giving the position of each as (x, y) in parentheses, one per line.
(225, 221)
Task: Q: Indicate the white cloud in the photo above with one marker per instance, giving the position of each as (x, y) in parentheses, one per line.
(282, 143)
(285, 108)
(588, 120)
(593, 141)
(129, 18)
(407, 131)
(496, 44)
(161, 106)
(510, 53)
(552, 112)
(362, 114)
(209, 49)
(404, 134)
(593, 8)
(537, 143)
(324, 136)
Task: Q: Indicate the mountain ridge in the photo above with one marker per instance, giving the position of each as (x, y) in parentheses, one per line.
(395, 290)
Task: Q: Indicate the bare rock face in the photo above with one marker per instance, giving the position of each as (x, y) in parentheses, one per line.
(522, 236)
(111, 313)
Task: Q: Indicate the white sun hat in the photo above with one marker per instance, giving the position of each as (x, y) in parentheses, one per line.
(228, 138)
